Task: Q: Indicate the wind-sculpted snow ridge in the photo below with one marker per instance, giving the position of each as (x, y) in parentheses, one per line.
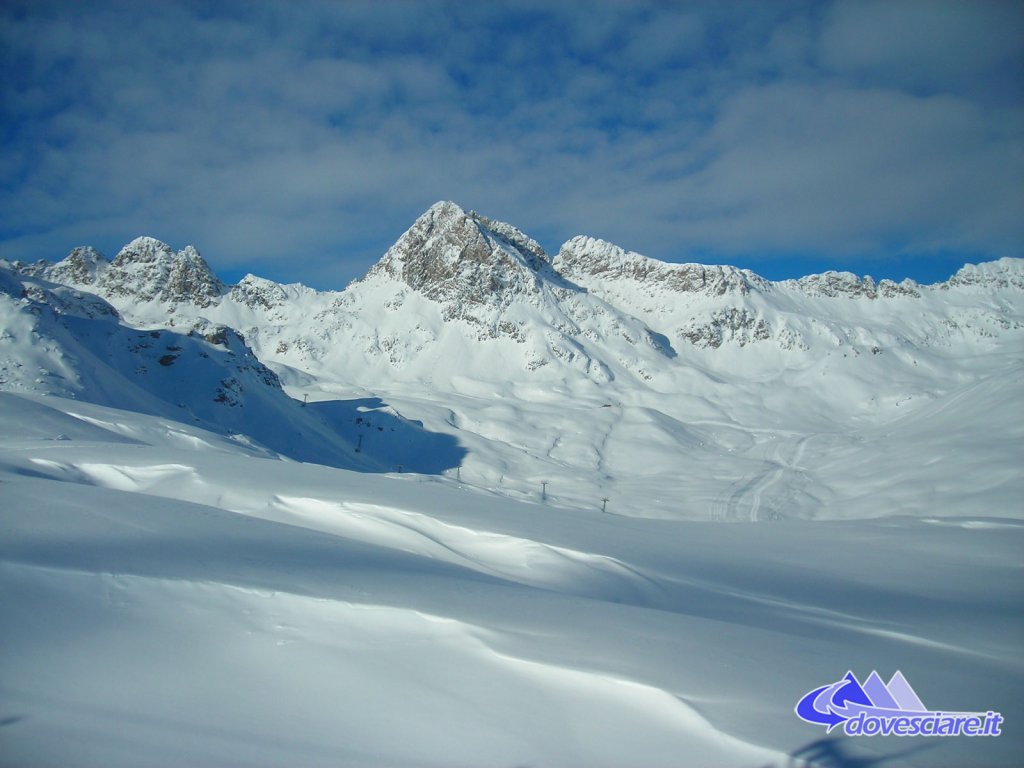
(169, 591)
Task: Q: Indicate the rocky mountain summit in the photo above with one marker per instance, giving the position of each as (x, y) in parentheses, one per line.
(144, 270)
(81, 267)
(464, 278)
(1007, 274)
(449, 255)
(149, 270)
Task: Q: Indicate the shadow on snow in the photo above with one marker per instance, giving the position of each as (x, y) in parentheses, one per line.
(389, 440)
(838, 753)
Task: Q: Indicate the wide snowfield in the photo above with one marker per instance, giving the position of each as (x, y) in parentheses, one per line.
(169, 596)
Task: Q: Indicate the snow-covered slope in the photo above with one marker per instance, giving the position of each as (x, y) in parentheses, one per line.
(167, 597)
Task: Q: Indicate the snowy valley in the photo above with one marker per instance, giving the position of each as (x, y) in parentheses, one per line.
(490, 506)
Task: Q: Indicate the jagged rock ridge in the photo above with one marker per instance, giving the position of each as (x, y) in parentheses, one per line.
(149, 270)
(587, 257)
(145, 270)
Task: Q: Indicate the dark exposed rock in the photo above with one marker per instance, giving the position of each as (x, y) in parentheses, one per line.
(587, 256)
(80, 267)
(145, 270)
(734, 325)
(463, 259)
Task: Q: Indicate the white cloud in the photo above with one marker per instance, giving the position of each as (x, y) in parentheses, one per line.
(932, 44)
(300, 139)
(845, 170)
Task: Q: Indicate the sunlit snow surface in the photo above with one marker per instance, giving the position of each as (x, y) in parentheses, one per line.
(171, 597)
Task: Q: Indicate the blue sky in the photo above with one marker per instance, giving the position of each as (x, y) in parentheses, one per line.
(298, 140)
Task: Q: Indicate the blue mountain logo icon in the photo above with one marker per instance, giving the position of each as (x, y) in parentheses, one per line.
(894, 708)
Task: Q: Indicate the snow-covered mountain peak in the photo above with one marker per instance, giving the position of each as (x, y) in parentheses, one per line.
(834, 284)
(143, 271)
(148, 269)
(80, 267)
(1002, 273)
(452, 256)
(456, 279)
(256, 292)
(586, 259)
(143, 250)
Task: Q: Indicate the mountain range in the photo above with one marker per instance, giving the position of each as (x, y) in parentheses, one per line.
(523, 365)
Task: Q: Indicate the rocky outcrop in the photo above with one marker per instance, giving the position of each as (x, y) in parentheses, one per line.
(845, 284)
(1000, 274)
(583, 258)
(149, 270)
(80, 267)
(462, 259)
(735, 325)
(258, 293)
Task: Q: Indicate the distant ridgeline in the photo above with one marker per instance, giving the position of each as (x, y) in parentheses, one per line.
(462, 295)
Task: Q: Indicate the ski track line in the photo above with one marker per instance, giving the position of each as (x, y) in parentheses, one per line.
(756, 485)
